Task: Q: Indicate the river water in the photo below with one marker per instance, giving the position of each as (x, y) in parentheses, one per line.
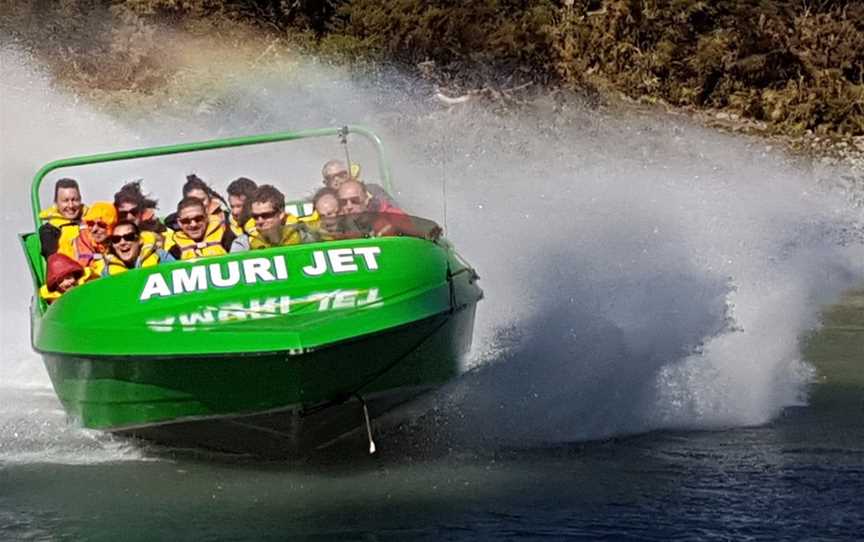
(637, 370)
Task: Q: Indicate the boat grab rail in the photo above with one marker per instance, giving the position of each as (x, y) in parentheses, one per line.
(207, 145)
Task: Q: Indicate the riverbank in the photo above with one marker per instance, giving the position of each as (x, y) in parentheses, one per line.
(789, 74)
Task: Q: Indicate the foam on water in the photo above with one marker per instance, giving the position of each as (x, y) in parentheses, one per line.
(641, 272)
(38, 125)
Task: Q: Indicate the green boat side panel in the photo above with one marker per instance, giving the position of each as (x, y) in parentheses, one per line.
(33, 253)
(115, 393)
(289, 298)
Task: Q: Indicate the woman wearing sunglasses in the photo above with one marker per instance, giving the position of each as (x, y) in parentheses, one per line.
(126, 252)
(92, 239)
(133, 205)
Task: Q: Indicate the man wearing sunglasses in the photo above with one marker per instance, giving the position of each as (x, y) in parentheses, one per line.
(126, 252)
(99, 221)
(381, 221)
(273, 226)
(201, 234)
(335, 173)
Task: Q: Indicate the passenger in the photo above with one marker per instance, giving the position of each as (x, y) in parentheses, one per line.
(238, 192)
(62, 220)
(335, 173)
(128, 251)
(129, 203)
(326, 203)
(354, 202)
(63, 274)
(134, 206)
(197, 188)
(99, 221)
(328, 225)
(273, 226)
(200, 235)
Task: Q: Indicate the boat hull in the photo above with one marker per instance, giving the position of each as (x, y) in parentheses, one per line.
(273, 404)
(229, 351)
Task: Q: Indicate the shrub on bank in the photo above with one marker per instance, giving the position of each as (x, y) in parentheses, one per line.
(797, 66)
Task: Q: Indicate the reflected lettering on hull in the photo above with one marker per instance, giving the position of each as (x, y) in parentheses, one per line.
(270, 307)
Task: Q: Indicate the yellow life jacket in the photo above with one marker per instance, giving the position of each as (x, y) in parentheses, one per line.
(167, 238)
(52, 216)
(109, 264)
(81, 248)
(211, 245)
(248, 227)
(310, 218)
(290, 235)
(51, 296)
(69, 229)
(150, 241)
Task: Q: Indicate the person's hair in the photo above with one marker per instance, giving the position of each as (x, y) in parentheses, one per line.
(267, 193)
(242, 186)
(333, 162)
(131, 193)
(129, 223)
(65, 183)
(194, 182)
(326, 191)
(353, 180)
(126, 197)
(189, 201)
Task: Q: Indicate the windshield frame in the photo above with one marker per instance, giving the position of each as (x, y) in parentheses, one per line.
(212, 144)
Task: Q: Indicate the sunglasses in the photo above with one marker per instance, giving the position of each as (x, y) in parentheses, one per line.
(264, 216)
(191, 220)
(331, 176)
(94, 223)
(133, 211)
(356, 200)
(131, 236)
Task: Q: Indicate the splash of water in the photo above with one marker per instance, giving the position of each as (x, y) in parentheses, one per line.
(641, 272)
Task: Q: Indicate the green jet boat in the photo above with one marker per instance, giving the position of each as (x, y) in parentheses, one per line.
(273, 352)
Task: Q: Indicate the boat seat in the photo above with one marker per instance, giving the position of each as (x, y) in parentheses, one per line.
(301, 209)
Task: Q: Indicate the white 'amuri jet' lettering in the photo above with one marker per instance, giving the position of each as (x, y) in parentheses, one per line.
(156, 285)
(192, 279)
(257, 268)
(219, 281)
(342, 260)
(198, 278)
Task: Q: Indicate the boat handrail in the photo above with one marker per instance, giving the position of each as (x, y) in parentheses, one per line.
(212, 144)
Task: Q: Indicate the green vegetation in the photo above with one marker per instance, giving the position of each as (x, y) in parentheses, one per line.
(796, 66)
